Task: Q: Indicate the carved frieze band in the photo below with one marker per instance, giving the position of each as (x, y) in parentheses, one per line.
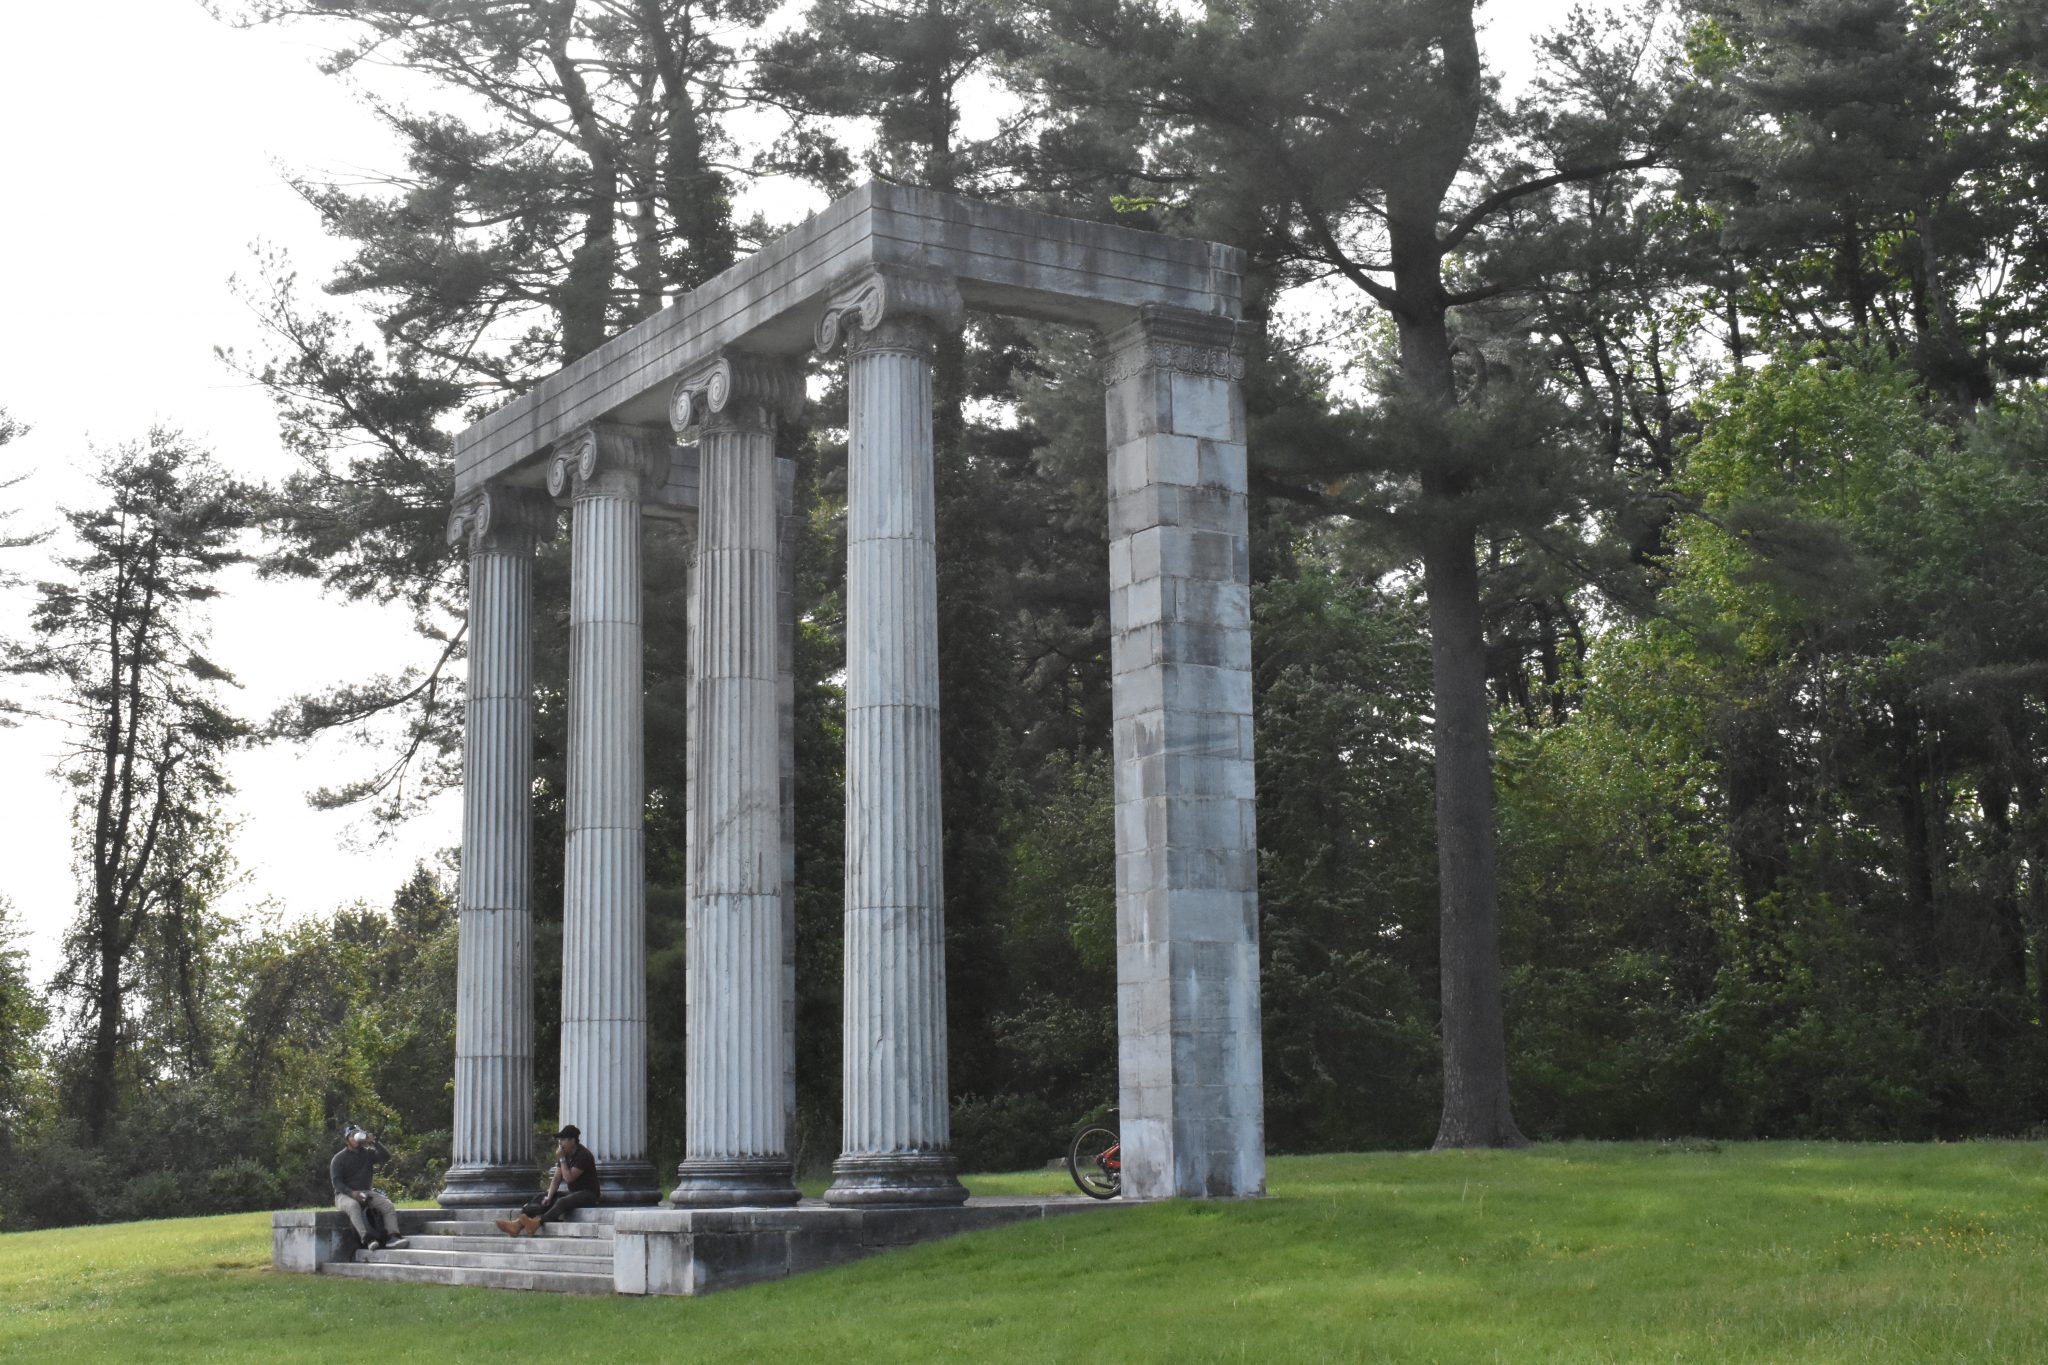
(606, 458)
(747, 390)
(495, 517)
(1169, 339)
(891, 306)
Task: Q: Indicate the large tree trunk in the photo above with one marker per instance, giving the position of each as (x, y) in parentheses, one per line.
(586, 292)
(100, 1085)
(1475, 1110)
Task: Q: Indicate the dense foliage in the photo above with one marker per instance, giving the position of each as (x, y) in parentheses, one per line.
(1653, 466)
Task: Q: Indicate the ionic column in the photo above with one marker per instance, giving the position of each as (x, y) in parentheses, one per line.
(604, 910)
(895, 1130)
(790, 527)
(1193, 1109)
(737, 1128)
(493, 1162)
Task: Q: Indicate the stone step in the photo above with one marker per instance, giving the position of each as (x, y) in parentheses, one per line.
(583, 1248)
(556, 1281)
(475, 1227)
(499, 1259)
(603, 1213)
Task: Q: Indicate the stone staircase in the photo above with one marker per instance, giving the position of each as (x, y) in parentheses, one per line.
(464, 1246)
(638, 1250)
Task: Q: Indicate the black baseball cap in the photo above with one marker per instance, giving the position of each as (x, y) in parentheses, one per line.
(569, 1130)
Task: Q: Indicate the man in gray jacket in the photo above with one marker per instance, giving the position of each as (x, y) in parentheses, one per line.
(351, 1171)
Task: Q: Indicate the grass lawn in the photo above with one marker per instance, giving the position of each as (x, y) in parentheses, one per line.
(1573, 1252)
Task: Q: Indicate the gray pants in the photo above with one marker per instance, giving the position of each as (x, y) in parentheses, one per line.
(378, 1201)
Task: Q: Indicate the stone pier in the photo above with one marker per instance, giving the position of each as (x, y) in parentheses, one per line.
(1193, 1107)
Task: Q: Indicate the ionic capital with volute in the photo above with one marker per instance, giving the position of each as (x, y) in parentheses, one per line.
(891, 308)
(735, 391)
(607, 459)
(501, 518)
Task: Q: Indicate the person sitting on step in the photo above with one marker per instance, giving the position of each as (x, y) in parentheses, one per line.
(573, 1184)
(351, 1172)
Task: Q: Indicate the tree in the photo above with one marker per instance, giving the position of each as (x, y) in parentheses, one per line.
(1851, 627)
(9, 430)
(22, 1020)
(123, 636)
(907, 65)
(1347, 880)
(1363, 141)
(1871, 164)
(578, 178)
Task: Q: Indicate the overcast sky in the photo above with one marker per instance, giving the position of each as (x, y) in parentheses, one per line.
(144, 155)
(143, 151)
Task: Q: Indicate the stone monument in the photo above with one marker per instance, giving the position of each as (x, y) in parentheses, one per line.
(676, 419)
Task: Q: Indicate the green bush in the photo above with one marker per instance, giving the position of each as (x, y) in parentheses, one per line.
(1006, 1132)
(243, 1186)
(155, 1194)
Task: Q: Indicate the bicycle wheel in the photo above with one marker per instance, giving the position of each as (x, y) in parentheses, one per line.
(1095, 1160)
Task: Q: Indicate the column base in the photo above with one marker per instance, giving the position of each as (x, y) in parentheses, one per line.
(489, 1187)
(628, 1184)
(896, 1178)
(733, 1182)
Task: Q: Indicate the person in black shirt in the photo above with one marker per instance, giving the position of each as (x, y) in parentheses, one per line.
(573, 1184)
(351, 1171)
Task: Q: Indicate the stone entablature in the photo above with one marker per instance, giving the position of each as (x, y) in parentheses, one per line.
(1002, 260)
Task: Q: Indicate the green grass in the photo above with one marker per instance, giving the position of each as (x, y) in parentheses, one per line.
(1576, 1252)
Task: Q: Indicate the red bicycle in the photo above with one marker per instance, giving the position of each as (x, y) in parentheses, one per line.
(1095, 1160)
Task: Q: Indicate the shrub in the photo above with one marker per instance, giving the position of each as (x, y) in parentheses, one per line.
(154, 1194)
(243, 1186)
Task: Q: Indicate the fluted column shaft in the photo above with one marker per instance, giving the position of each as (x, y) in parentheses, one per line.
(604, 912)
(493, 1156)
(895, 1130)
(737, 1127)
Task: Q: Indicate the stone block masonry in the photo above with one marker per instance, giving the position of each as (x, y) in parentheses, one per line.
(1192, 1100)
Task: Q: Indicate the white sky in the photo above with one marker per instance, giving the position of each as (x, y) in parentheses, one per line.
(143, 154)
(136, 194)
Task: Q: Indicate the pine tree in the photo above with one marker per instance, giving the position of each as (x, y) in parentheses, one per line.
(22, 1020)
(9, 430)
(579, 177)
(1364, 141)
(123, 636)
(1871, 160)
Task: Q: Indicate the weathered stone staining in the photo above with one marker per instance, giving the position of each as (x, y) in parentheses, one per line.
(882, 271)
(737, 1123)
(893, 1044)
(604, 908)
(493, 1142)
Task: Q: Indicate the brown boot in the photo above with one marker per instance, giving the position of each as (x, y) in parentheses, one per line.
(510, 1226)
(527, 1226)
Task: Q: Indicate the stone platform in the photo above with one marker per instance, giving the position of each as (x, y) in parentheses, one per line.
(637, 1250)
